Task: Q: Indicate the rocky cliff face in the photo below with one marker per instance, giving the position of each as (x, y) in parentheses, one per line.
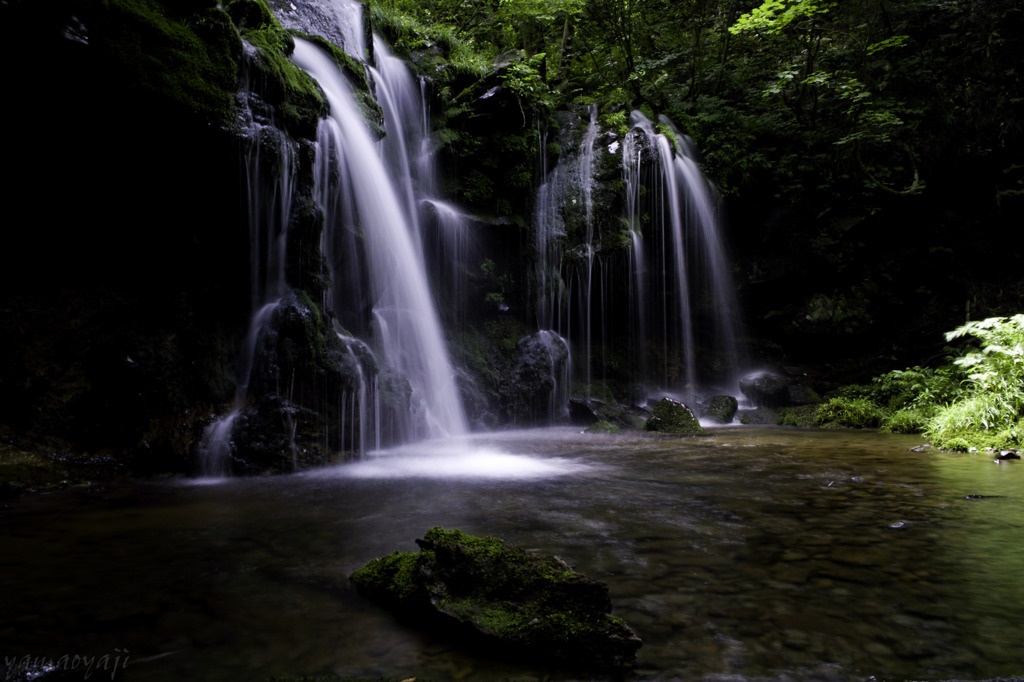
(126, 269)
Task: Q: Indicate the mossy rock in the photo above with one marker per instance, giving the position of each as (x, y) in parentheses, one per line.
(721, 409)
(603, 427)
(801, 415)
(182, 58)
(671, 416)
(766, 389)
(517, 602)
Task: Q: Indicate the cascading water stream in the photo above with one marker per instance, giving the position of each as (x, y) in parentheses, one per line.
(407, 327)
(441, 231)
(270, 188)
(549, 233)
(398, 98)
(713, 262)
(687, 247)
(586, 180)
(339, 21)
(677, 322)
(666, 281)
(637, 262)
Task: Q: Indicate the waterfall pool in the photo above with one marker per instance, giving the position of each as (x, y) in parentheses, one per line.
(743, 554)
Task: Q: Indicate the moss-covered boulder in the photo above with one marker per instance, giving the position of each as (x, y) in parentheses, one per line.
(521, 603)
(671, 416)
(721, 409)
(602, 427)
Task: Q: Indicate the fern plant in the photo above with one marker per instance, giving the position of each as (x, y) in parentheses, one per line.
(989, 413)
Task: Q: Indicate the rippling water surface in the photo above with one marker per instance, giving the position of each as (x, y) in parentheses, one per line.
(743, 554)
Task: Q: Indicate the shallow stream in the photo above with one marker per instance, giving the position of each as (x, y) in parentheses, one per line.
(743, 554)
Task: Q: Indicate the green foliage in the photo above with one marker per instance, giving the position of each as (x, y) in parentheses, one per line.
(801, 415)
(909, 420)
(918, 388)
(900, 401)
(990, 409)
(827, 101)
(184, 59)
(858, 413)
(773, 15)
(972, 402)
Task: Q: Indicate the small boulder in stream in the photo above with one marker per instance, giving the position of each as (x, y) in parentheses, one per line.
(766, 389)
(673, 417)
(521, 603)
(721, 409)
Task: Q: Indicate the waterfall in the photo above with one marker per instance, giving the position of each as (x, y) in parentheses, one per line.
(654, 302)
(339, 21)
(586, 181)
(668, 222)
(674, 227)
(406, 324)
(549, 237)
(398, 96)
(448, 249)
(713, 262)
(441, 231)
(267, 159)
(357, 401)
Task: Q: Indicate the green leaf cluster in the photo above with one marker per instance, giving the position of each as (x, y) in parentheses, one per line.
(974, 400)
(989, 411)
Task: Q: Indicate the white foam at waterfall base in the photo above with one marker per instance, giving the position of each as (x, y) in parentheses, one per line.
(452, 459)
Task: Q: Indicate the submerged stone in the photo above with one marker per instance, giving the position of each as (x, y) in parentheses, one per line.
(671, 416)
(522, 603)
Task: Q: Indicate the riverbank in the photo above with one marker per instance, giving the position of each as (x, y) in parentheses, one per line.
(25, 470)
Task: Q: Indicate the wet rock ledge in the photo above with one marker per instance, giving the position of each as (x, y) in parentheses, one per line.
(520, 603)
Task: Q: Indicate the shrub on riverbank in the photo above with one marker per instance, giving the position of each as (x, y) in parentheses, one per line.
(975, 400)
(989, 411)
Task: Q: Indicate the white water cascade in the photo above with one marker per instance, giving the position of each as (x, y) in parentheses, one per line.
(673, 221)
(667, 220)
(441, 230)
(340, 21)
(406, 326)
(268, 160)
(712, 264)
(658, 297)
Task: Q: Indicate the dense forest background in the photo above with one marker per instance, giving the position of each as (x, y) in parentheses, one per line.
(869, 156)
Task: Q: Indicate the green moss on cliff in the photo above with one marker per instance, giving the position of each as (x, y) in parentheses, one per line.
(297, 101)
(183, 56)
(356, 75)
